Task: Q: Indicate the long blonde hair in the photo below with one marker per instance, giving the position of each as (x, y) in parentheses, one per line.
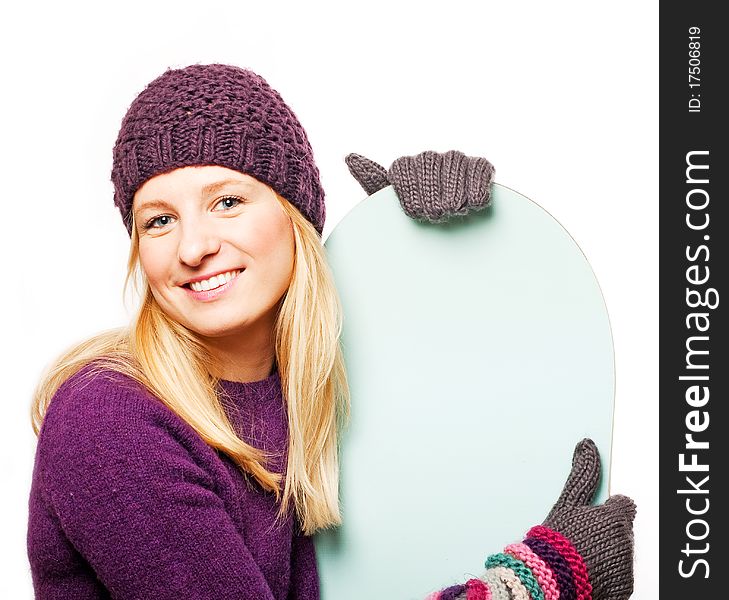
(172, 362)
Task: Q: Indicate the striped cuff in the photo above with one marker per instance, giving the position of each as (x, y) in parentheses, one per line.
(477, 590)
(539, 568)
(583, 588)
(513, 583)
(557, 563)
(451, 593)
(474, 589)
(523, 572)
(545, 566)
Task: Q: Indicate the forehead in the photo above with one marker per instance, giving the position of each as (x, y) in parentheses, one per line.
(196, 180)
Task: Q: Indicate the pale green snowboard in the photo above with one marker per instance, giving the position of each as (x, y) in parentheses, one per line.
(478, 353)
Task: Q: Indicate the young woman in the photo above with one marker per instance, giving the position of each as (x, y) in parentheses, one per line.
(193, 453)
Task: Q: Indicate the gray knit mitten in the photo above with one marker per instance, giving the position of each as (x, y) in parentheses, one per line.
(580, 552)
(431, 186)
(602, 534)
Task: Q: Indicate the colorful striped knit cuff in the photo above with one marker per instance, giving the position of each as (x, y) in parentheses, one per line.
(583, 588)
(557, 563)
(474, 589)
(523, 572)
(545, 566)
(539, 568)
(477, 590)
(515, 587)
(451, 593)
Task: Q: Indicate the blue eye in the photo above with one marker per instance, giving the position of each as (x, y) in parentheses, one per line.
(149, 224)
(236, 199)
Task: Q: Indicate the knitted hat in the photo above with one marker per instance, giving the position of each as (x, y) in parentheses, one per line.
(216, 115)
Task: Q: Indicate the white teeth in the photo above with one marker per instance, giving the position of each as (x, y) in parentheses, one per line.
(214, 282)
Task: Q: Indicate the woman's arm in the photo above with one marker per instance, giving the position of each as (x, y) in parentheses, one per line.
(304, 573)
(123, 478)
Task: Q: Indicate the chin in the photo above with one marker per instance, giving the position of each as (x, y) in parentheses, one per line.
(222, 321)
(219, 330)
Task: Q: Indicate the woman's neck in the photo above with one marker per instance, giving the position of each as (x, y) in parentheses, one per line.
(244, 372)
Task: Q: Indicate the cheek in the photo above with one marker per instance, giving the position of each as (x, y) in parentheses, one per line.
(282, 247)
(152, 265)
(275, 242)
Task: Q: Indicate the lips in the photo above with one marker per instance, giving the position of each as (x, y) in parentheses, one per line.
(209, 275)
(212, 294)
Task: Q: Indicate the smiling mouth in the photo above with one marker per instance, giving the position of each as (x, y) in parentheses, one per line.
(213, 283)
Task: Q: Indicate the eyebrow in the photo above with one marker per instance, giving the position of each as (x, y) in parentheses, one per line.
(206, 190)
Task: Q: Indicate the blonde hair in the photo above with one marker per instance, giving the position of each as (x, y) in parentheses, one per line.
(172, 362)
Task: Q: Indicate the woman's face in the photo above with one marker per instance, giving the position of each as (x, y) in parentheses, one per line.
(203, 221)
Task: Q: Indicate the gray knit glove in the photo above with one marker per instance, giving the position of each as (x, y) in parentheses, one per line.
(602, 534)
(580, 552)
(431, 186)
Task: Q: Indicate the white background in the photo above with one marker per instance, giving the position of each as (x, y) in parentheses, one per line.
(562, 97)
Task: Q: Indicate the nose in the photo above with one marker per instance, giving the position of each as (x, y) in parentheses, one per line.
(197, 241)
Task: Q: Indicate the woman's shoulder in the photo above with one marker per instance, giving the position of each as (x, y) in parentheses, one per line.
(100, 403)
(93, 388)
(108, 444)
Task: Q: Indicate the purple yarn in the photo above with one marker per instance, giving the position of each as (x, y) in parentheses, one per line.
(452, 592)
(216, 115)
(128, 501)
(559, 565)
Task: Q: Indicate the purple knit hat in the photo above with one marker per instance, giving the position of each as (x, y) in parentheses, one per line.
(216, 115)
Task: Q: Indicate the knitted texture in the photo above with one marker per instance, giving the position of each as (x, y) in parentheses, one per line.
(128, 501)
(520, 569)
(580, 552)
(431, 186)
(603, 534)
(473, 589)
(513, 583)
(582, 480)
(583, 589)
(499, 590)
(539, 569)
(216, 115)
(452, 592)
(558, 565)
(477, 590)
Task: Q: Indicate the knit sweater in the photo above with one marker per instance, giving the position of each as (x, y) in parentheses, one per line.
(128, 502)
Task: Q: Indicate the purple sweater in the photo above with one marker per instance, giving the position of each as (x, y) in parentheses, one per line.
(128, 502)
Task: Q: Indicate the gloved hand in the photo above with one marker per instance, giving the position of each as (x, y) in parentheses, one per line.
(580, 552)
(431, 186)
(602, 534)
